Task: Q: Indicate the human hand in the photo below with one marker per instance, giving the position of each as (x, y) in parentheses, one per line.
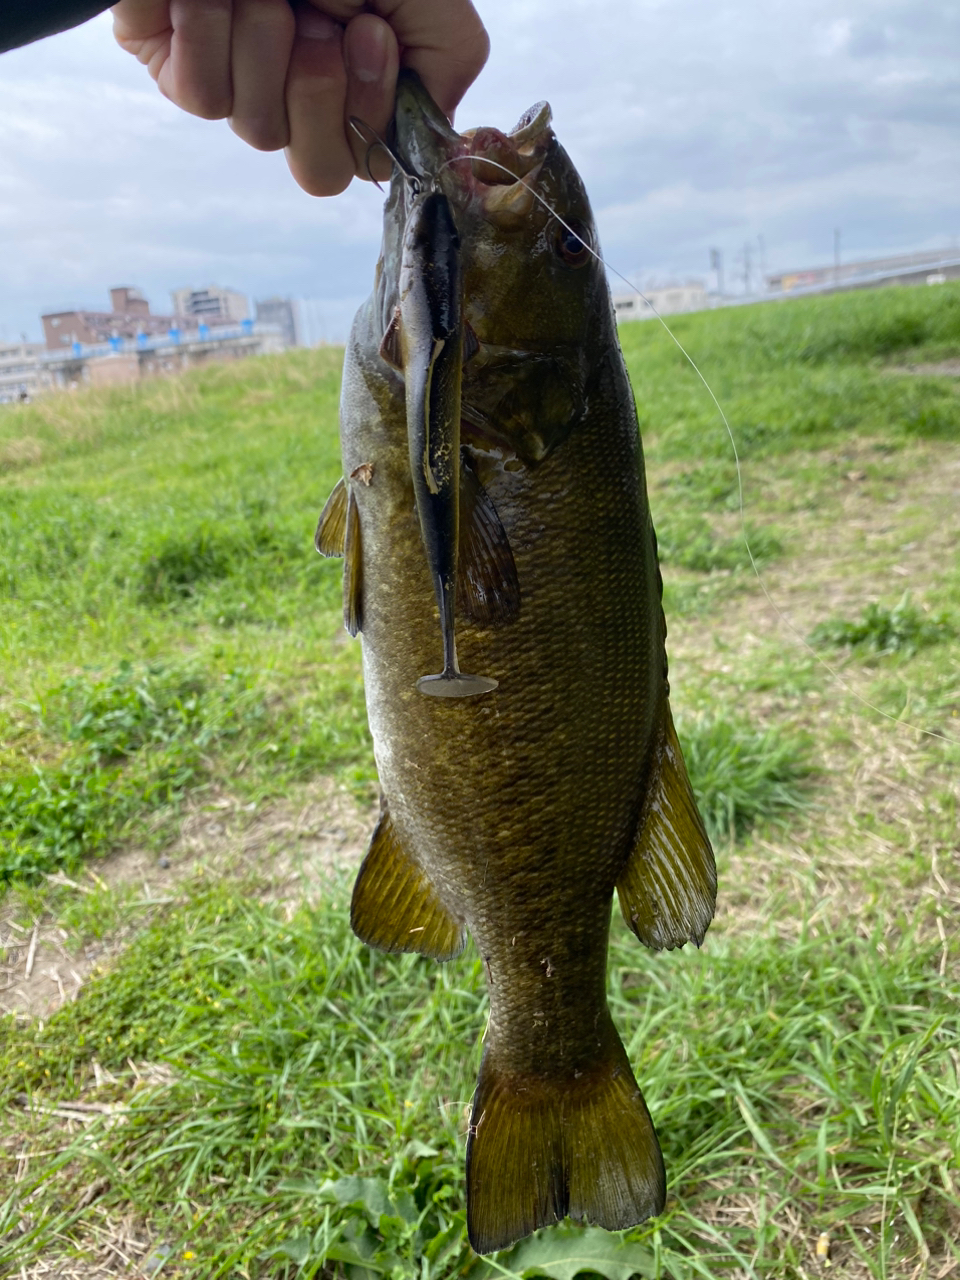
(292, 76)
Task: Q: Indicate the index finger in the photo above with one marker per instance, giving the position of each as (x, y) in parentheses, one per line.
(186, 44)
(444, 41)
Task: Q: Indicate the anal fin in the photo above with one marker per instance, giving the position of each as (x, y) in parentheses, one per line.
(352, 569)
(332, 525)
(668, 887)
(395, 907)
(488, 588)
(540, 1150)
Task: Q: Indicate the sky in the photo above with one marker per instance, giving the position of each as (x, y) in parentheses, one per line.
(695, 125)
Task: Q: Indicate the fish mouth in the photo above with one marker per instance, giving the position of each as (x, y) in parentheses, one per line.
(486, 170)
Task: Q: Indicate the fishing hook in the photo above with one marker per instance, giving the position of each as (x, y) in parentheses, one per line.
(358, 126)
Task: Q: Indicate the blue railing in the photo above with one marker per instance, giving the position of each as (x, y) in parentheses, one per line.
(203, 335)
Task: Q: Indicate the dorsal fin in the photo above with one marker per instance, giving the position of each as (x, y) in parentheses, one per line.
(352, 569)
(668, 887)
(390, 348)
(488, 589)
(395, 907)
(332, 525)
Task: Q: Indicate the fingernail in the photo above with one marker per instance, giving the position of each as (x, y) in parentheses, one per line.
(367, 58)
(315, 25)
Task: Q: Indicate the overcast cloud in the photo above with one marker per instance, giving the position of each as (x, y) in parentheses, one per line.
(694, 125)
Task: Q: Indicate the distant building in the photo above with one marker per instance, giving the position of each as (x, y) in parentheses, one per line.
(103, 348)
(211, 305)
(931, 266)
(281, 312)
(19, 370)
(129, 302)
(664, 300)
(129, 318)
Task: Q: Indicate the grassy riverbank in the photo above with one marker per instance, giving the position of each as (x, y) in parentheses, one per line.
(203, 1070)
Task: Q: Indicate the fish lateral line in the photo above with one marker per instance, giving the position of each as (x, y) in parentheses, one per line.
(782, 617)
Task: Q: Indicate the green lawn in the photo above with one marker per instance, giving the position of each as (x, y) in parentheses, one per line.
(254, 1093)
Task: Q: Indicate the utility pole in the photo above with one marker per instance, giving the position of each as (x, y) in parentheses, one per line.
(716, 264)
(747, 265)
(836, 255)
(763, 263)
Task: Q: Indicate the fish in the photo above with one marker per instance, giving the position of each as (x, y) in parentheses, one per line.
(512, 817)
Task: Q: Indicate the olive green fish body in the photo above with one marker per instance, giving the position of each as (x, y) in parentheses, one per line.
(515, 815)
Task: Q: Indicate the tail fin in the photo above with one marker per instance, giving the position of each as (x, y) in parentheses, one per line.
(541, 1150)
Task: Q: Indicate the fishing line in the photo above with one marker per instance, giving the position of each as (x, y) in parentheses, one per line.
(930, 733)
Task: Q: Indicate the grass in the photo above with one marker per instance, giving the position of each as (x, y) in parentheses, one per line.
(316, 1096)
(692, 543)
(163, 523)
(741, 774)
(264, 1097)
(135, 741)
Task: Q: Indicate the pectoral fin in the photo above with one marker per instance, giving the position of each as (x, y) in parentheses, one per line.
(352, 569)
(488, 589)
(390, 348)
(332, 525)
(395, 907)
(668, 888)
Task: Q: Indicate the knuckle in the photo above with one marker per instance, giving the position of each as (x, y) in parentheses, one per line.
(322, 183)
(259, 134)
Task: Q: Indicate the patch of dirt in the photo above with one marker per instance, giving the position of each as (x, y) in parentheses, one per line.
(122, 1252)
(291, 847)
(942, 369)
(882, 793)
(829, 576)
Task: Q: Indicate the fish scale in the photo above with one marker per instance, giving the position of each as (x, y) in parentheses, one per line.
(514, 815)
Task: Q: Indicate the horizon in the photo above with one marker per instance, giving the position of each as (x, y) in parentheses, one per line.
(738, 128)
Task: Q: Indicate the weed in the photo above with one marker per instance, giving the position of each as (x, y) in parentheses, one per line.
(53, 817)
(904, 629)
(741, 775)
(133, 708)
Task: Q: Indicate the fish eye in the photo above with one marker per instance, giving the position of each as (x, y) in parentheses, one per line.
(573, 243)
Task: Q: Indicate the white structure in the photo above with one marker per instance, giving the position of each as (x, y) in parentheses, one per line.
(323, 321)
(281, 313)
(665, 300)
(212, 305)
(19, 370)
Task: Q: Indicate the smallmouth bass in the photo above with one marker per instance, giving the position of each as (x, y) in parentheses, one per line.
(515, 815)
